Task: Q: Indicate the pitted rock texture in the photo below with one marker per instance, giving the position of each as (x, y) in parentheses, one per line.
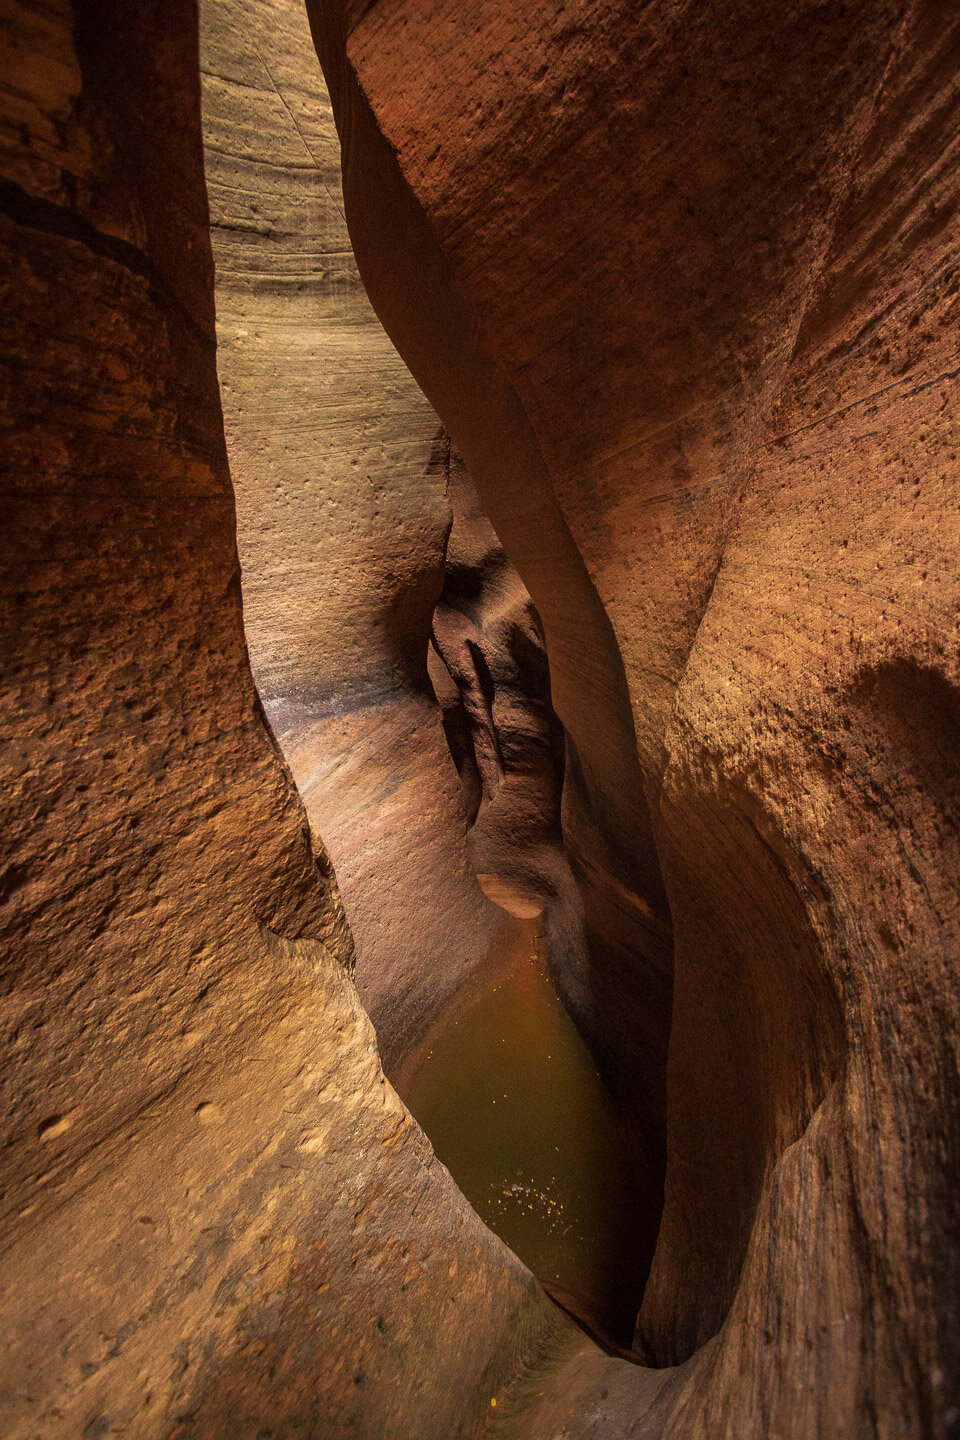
(687, 303)
(218, 1219)
(340, 471)
(693, 327)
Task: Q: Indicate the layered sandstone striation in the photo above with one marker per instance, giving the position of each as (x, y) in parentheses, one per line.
(682, 284)
(218, 1218)
(340, 471)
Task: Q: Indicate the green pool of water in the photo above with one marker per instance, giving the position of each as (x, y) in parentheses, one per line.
(515, 1108)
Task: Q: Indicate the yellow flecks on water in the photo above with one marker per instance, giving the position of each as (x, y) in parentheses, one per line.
(568, 1220)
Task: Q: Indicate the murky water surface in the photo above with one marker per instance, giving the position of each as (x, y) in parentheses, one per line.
(515, 1108)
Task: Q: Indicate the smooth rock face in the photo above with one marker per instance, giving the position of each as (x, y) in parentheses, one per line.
(494, 685)
(340, 471)
(489, 669)
(693, 328)
(686, 300)
(218, 1219)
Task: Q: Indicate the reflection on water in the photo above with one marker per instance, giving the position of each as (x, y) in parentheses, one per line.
(515, 1108)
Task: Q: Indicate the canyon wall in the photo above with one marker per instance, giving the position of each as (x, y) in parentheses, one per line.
(340, 471)
(682, 284)
(218, 1218)
(489, 669)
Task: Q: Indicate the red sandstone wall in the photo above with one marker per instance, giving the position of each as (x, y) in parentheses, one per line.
(218, 1220)
(698, 340)
(728, 412)
(339, 465)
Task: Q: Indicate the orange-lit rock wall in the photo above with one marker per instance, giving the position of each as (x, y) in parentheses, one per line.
(218, 1219)
(682, 285)
(340, 471)
(697, 342)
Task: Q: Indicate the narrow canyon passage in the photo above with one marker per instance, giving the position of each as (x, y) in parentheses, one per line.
(342, 521)
(481, 710)
(374, 590)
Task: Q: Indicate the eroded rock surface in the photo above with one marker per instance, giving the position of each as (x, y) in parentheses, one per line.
(682, 285)
(693, 328)
(494, 687)
(218, 1219)
(340, 471)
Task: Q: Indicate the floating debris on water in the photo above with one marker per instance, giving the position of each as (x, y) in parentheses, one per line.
(544, 1171)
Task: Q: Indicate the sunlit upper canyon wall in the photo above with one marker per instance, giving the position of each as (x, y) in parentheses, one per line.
(218, 1217)
(677, 290)
(339, 467)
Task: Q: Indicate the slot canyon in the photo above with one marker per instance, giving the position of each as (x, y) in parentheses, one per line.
(480, 862)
